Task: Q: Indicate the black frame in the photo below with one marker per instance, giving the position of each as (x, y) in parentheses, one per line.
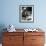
(26, 13)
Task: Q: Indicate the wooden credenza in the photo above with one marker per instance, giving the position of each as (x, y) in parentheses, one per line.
(23, 39)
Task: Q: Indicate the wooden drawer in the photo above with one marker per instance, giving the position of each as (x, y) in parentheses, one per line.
(13, 33)
(37, 39)
(37, 44)
(27, 39)
(34, 33)
(20, 44)
(12, 39)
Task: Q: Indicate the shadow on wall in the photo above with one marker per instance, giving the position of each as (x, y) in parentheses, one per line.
(2, 26)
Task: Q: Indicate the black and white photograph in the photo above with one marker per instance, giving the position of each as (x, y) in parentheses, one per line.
(26, 13)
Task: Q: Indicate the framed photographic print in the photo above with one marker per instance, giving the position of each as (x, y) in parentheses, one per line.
(26, 13)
